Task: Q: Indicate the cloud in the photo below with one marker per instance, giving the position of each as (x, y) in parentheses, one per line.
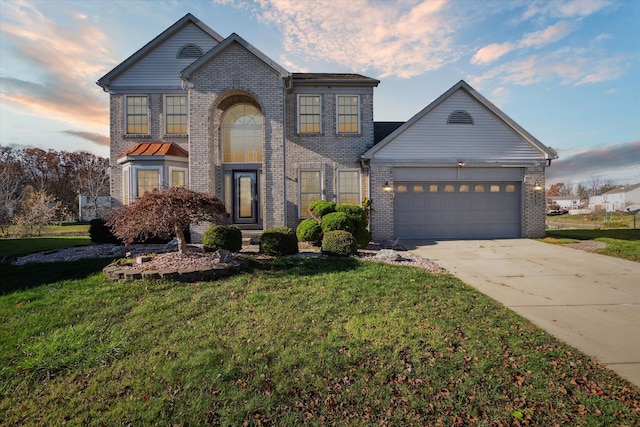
(612, 159)
(564, 9)
(500, 95)
(90, 136)
(549, 35)
(401, 39)
(491, 52)
(569, 65)
(63, 62)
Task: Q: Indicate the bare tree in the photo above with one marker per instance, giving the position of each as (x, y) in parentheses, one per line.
(36, 210)
(92, 177)
(10, 184)
(165, 211)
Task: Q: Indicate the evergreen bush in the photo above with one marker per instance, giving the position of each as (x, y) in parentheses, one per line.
(227, 237)
(337, 221)
(101, 233)
(278, 241)
(357, 214)
(339, 243)
(309, 230)
(320, 208)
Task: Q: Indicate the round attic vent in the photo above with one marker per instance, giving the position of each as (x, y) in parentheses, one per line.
(460, 117)
(190, 51)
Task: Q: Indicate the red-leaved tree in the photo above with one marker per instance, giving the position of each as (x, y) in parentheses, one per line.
(165, 211)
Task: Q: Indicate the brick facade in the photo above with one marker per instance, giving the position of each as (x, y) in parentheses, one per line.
(237, 74)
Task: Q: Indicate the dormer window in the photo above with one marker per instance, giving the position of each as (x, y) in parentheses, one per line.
(460, 117)
(190, 51)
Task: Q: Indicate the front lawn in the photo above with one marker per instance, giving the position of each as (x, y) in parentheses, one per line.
(621, 243)
(29, 245)
(302, 341)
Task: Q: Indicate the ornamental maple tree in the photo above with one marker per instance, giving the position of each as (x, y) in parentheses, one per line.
(165, 211)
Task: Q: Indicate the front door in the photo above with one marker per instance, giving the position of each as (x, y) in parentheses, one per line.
(245, 200)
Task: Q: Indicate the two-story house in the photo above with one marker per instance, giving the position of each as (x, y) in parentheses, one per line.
(192, 108)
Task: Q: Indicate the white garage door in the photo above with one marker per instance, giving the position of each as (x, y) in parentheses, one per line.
(457, 210)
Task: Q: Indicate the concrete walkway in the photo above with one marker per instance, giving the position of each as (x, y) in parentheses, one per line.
(590, 301)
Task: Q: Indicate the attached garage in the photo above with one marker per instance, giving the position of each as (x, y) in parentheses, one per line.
(457, 210)
(459, 169)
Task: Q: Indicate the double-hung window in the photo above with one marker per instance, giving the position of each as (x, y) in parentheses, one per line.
(310, 189)
(349, 187)
(147, 180)
(175, 114)
(178, 177)
(137, 115)
(348, 114)
(309, 114)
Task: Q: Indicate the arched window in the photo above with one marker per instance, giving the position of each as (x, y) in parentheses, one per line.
(192, 51)
(460, 117)
(242, 134)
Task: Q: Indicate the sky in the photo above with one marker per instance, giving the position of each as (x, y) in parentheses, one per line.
(567, 71)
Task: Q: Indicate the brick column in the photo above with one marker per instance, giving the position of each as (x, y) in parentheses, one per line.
(381, 204)
(534, 203)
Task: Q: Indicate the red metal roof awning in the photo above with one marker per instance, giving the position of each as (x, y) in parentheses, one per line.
(155, 149)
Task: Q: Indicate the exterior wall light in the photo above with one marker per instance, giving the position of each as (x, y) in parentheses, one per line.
(460, 164)
(537, 186)
(386, 186)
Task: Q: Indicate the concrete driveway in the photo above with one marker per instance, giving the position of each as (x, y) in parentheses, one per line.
(590, 301)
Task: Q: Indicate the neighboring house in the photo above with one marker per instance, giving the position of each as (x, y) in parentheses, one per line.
(617, 199)
(563, 202)
(91, 207)
(192, 108)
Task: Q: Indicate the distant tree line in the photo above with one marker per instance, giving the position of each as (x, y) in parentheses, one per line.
(38, 185)
(593, 187)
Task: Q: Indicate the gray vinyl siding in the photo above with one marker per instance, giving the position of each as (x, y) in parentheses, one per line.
(433, 139)
(161, 67)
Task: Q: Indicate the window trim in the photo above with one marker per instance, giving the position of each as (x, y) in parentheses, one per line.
(126, 114)
(338, 172)
(134, 179)
(165, 112)
(359, 131)
(298, 113)
(321, 193)
(179, 169)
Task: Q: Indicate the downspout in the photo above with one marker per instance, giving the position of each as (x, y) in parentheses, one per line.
(285, 86)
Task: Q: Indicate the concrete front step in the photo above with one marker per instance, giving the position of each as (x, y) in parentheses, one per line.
(251, 237)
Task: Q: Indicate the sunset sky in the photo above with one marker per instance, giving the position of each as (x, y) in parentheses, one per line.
(567, 71)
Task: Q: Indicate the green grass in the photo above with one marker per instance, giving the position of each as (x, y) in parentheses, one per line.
(63, 229)
(621, 243)
(28, 245)
(304, 341)
(595, 220)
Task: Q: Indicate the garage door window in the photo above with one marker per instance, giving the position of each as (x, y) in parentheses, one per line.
(494, 188)
(479, 188)
(418, 189)
(464, 188)
(510, 188)
(433, 188)
(449, 188)
(401, 189)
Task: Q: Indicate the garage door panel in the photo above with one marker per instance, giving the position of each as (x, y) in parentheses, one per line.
(462, 210)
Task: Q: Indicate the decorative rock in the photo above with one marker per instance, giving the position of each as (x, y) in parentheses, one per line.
(171, 246)
(223, 256)
(388, 255)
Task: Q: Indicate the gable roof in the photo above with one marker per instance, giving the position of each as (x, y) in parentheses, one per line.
(383, 129)
(233, 38)
(548, 152)
(106, 80)
(621, 189)
(155, 149)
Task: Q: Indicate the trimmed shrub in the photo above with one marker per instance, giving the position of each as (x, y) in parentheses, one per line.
(337, 221)
(339, 243)
(278, 241)
(357, 214)
(101, 233)
(363, 237)
(320, 208)
(309, 230)
(226, 237)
